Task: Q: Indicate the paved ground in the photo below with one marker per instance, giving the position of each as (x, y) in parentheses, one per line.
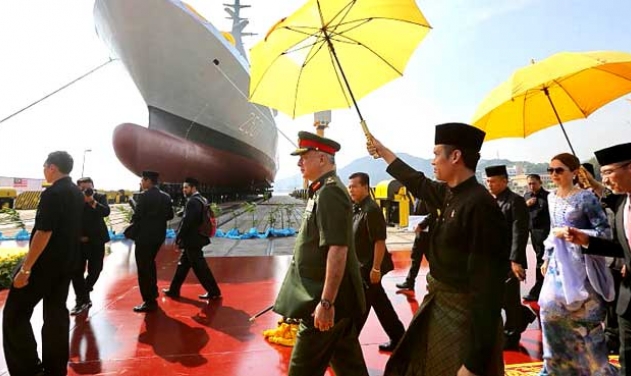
(288, 212)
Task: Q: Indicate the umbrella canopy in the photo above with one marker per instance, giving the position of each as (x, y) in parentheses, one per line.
(309, 61)
(563, 87)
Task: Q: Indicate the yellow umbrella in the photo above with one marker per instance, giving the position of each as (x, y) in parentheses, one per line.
(309, 61)
(563, 87)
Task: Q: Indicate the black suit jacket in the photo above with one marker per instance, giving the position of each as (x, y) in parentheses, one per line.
(618, 247)
(515, 212)
(369, 226)
(188, 235)
(539, 212)
(153, 210)
(60, 210)
(93, 226)
(420, 208)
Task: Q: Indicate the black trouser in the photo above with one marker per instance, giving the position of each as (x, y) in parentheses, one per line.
(91, 254)
(194, 258)
(146, 264)
(537, 236)
(611, 319)
(513, 309)
(624, 325)
(421, 244)
(20, 347)
(315, 350)
(377, 298)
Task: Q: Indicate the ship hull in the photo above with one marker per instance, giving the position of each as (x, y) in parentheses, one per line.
(139, 148)
(194, 83)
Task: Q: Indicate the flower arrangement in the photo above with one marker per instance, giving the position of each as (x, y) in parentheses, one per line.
(9, 259)
(284, 334)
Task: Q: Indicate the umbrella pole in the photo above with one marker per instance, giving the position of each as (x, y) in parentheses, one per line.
(260, 313)
(348, 86)
(547, 93)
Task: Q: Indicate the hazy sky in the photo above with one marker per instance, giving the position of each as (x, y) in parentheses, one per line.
(474, 46)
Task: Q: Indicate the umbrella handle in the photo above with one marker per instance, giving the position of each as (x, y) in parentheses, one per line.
(368, 138)
(582, 178)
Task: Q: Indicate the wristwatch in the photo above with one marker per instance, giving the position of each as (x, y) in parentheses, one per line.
(326, 304)
(24, 271)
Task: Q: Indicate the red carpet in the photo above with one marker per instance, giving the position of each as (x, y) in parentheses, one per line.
(190, 337)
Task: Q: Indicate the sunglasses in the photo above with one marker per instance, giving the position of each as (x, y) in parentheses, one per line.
(556, 170)
(606, 173)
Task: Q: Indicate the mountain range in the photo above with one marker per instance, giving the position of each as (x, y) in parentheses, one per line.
(376, 169)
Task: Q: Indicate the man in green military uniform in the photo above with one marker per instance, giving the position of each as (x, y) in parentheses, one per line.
(323, 287)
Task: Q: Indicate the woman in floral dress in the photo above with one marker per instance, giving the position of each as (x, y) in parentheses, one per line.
(576, 286)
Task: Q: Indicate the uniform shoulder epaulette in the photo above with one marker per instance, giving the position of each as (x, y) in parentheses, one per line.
(330, 180)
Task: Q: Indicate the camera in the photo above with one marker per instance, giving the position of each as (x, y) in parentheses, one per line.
(88, 192)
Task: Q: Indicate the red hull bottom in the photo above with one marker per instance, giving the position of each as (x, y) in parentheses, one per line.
(139, 148)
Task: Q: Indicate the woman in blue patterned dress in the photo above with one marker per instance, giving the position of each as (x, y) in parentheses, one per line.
(576, 286)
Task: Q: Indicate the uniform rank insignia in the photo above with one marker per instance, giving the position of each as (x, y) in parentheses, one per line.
(330, 180)
(453, 213)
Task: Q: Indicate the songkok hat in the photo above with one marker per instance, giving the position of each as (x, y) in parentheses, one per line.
(496, 171)
(150, 175)
(309, 141)
(614, 154)
(192, 181)
(589, 167)
(460, 135)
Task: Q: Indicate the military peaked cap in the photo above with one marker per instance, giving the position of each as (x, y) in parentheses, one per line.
(496, 171)
(460, 135)
(614, 154)
(309, 141)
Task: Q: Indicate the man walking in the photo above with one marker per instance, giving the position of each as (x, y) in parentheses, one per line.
(615, 170)
(457, 329)
(420, 245)
(539, 225)
(45, 274)
(153, 211)
(191, 241)
(514, 209)
(369, 229)
(323, 287)
(94, 235)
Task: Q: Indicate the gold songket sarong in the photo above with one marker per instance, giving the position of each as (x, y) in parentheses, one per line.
(437, 339)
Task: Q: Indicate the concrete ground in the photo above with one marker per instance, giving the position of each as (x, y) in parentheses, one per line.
(398, 239)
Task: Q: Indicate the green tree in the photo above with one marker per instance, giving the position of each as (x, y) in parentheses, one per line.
(271, 218)
(251, 207)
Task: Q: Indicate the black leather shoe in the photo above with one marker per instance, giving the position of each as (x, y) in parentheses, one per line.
(388, 346)
(146, 307)
(530, 298)
(170, 294)
(208, 296)
(407, 285)
(527, 316)
(511, 342)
